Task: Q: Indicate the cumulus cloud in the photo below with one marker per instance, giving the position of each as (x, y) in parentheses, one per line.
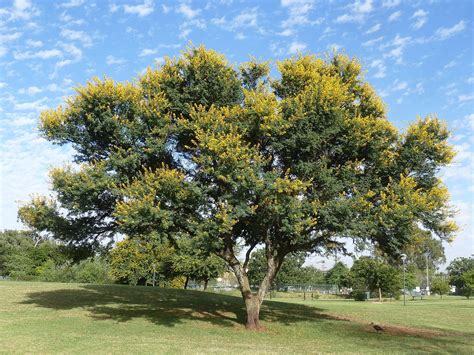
(245, 19)
(72, 3)
(38, 105)
(372, 42)
(395, 16)
(373, 29)
(296, 47)
(443, 33)
(420, 16)
(390, 3)
(111, 60)
(141, 10)
(358, 12)
(80, 36)
(298, 15)
(32, 90)
(379, 65)
(45, 54)
(187, 11)
(147, 51)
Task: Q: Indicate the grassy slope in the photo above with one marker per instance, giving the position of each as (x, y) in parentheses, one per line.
(73, 318)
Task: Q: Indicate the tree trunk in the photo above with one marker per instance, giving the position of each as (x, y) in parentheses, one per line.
(253, 301)
(186, 282)
(380, 295)
(252, 306)
(205, 284)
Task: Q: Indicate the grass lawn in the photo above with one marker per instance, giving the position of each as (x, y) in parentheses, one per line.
(74, 318)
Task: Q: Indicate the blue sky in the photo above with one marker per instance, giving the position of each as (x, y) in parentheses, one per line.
(417, 54)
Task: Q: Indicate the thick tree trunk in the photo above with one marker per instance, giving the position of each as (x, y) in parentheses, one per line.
(253, 301)
(252, 306)
(186, 282)
(205, 284)
(380, 295)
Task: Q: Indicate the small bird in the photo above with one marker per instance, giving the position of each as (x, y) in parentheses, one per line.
(378, 328)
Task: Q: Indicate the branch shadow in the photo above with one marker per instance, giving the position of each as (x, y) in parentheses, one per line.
(168, 307)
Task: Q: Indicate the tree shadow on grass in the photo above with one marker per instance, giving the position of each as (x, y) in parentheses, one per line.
(167, 307)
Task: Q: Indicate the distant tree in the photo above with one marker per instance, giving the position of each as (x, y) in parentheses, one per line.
(440, 286)
(292, 271)
(338, 275)
(460, 271)
(375, 276)
(197, 149)
(468, 283)
(194, 264)
(134, 261)
(23, 252)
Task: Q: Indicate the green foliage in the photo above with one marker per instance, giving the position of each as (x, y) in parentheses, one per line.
(194, 150)
(338, 275)
(368, 274)
(22, 253)
(292, 271)
(460, 272)
(440, 286)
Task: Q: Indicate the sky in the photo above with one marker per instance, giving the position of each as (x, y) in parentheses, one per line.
(417, 54)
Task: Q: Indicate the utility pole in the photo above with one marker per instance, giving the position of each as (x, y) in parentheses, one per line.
(427, 276)
(404, 257)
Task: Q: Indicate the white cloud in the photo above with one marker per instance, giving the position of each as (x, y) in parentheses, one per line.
(390, 3)
(34, 44)
(443, 33)
(147, 51)
(77, 36)
(22, 9)
(381, 68)
(465, 98)
(399, 85)
(45, 54)
(22, 121)
(32, 90)
(141, 10)
(111, 60)
(395, 16)
(3, 51)
(296, 47)
(357, 12)
(372, 42)
(187, 11)
(420, 16)
(451, 64)
(374, 28)
(2, 84)
(10, 37)
(397, 45)
(72, 3)
(38, 105)
(298, 15)
(245, 19)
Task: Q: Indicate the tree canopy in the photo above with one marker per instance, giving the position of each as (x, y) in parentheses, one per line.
(197, 149)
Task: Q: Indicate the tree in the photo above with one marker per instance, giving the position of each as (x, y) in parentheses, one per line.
(440, 286)
(459, 271)
(374, 275)
(134, 261)
(227, 158)
(338, 275)
(292, 271)
(468, 283)
(197, 266)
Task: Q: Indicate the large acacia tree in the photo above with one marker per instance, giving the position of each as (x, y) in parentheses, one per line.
(199, 151)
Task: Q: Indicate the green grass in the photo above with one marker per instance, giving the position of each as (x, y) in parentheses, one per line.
(76, 318)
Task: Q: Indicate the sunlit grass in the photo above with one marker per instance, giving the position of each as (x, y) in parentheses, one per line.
(75, 318)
